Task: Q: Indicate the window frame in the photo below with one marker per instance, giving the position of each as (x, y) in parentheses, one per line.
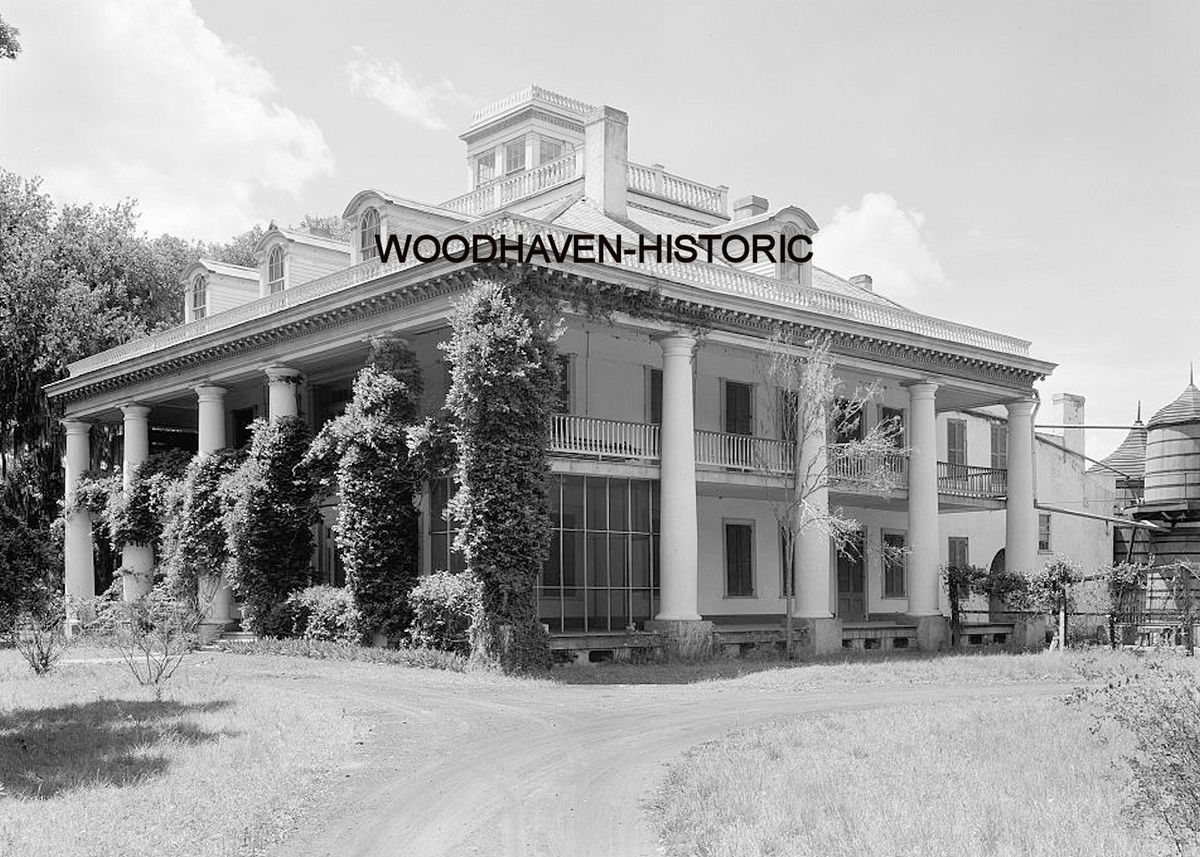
(198, 310)
(999, 452)
(750, 387)
(483, 159)
(519, 144)
(653, 372)
(959, 425)
(542, 143)
(276, 284)
(748, 524)
(367, 249)
(1049, 531)
(565, 395)
(886, 565)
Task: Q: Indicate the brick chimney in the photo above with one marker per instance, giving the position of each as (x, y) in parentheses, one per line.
(606, 159)
(863, 281)
(749, 206)
(1068, 411)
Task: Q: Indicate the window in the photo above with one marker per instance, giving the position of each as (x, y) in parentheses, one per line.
(549, 150)
(199, 297)
(514, 156)
(739, 408)
(275, 270)
(958, 555)
(1044, 533)
(739, 560)
(891, 420)
(654, 393)
(367, 233)
(564, 383)
(785, 567)
(999, 446)
(485, 168)
(956, 443)
(602, 570)
(442, 555)
(895, 565)
(789, 268)
(846, 421)
(789, 414)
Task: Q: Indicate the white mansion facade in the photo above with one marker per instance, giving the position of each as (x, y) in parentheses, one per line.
(661, 454)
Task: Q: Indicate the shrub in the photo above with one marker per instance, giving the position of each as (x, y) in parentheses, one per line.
(269, 514)
(443, 605)
(29, 569)
(39, 637)
(504, 380)
(154, 633)
(433, 659)
(316, 613)
(377, 528)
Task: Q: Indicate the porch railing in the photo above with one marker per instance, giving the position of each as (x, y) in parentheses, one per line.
(574, 435)
(882, 470)
(963, 480)
(744, 452)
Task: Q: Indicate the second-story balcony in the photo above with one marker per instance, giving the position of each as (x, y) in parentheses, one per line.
(617, 440)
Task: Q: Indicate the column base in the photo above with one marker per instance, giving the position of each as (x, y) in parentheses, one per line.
(209, 630)
(817, 637)
(684, 639)
(933, 633)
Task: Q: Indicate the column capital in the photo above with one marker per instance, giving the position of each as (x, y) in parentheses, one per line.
(1021, 407)
(135, 411)
(210, 392)
(676, 344)
(284, 374)
(923, 389)
(75, 426)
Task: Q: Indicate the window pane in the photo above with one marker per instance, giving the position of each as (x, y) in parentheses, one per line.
(639, 569)
(514, 156)
(572, 503)
(737, 408)
(618, 608)
(438, 558)
(597, 500)
(618, 560)
(639, 521)
(554, 493)
(597, 559)
(738, 570)
(642, 609)
(618, 504)
(655, 395)
(597, 609)
(572, 558)
(552, 571)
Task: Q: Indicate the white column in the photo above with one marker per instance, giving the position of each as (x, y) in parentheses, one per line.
(137, 561)
(677, 543)
(811, 558)
(1020, 516)
(214, 597)
(282, 382)
(79, 572)
(210, 419)
(923, 553)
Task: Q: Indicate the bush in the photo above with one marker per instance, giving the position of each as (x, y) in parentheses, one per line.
(40, 639)
(443, 605)
(268, 517)
(30, 574)
(433, 659)
(316, 613)
(154, 633)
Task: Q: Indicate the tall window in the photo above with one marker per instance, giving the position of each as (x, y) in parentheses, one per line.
(789, 412)
(514, 156)
(654, 392)
(999, 446)
(895, 565)
(199, 297)
(958, 554)
(1044, 533)
(602, 570)
(367, 232)
(956, 442)
(549, 150)
(485, 168)
(442, 555)
(739, 408)
(275, 270)
(739, 560)
(564, 383)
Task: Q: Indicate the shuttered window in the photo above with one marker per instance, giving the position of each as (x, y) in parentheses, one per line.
(739, 559)
(739, 399)
(956, 442)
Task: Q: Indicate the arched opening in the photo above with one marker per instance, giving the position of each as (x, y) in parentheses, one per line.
(199, 307)
(367, 232)
(275, 278)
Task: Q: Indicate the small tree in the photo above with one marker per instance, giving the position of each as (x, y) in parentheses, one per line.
(809, 402)
(378, 522)
(1050, 592)
(504, 380)
(269, 515)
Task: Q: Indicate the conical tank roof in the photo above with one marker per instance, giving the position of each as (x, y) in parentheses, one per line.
(1130, 457)
(1185, 409)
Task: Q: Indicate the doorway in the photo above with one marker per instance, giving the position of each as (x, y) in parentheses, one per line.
(851, 581)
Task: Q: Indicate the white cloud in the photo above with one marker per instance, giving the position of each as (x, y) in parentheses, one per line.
(883, 240)
(141, 99)
(387, 82)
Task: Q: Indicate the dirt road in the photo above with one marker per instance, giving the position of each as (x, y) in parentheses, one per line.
(458, 765)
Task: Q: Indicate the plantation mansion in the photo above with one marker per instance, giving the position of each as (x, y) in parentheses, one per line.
(668, 446)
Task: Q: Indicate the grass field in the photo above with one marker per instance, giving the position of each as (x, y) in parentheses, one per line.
(93, 764)
(1025, 778)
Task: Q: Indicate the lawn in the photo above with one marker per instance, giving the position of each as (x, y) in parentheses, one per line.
(91, 763)
(996, 777)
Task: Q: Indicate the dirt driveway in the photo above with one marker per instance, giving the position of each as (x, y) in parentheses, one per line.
(467, 765)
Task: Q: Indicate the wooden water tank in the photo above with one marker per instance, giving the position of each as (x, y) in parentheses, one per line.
(1173, 451)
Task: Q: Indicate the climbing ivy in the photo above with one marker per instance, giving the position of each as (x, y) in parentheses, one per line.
(503, 383)
(378, 521)
(136, 514)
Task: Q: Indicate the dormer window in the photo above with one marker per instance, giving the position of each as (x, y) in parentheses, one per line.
(485, 168)
(368, 230)
(514, 156)
(789, 269)
(275, 280)
(199, 297)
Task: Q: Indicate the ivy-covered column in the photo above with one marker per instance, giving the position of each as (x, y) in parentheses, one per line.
(79, 571)
(678, 575)
(137, 560)
(210, 438)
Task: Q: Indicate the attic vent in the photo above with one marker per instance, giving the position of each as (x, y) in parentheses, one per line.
(863, 281)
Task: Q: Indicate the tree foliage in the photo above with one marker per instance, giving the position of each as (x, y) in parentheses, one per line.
(29, 569)
(378, 522)
(269, 517)
(503, 383)
(9, 46)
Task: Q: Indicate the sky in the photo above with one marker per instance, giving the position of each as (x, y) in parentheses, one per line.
(1027, 167)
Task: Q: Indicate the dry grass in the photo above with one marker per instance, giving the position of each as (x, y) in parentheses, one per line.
(93, 764)
(981, 778)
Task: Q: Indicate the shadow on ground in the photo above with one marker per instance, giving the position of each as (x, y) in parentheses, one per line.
(45, 751)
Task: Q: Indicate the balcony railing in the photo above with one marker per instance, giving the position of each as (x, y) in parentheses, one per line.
(500, 192)
(963, 480)
(657, 181)
(615, 440)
